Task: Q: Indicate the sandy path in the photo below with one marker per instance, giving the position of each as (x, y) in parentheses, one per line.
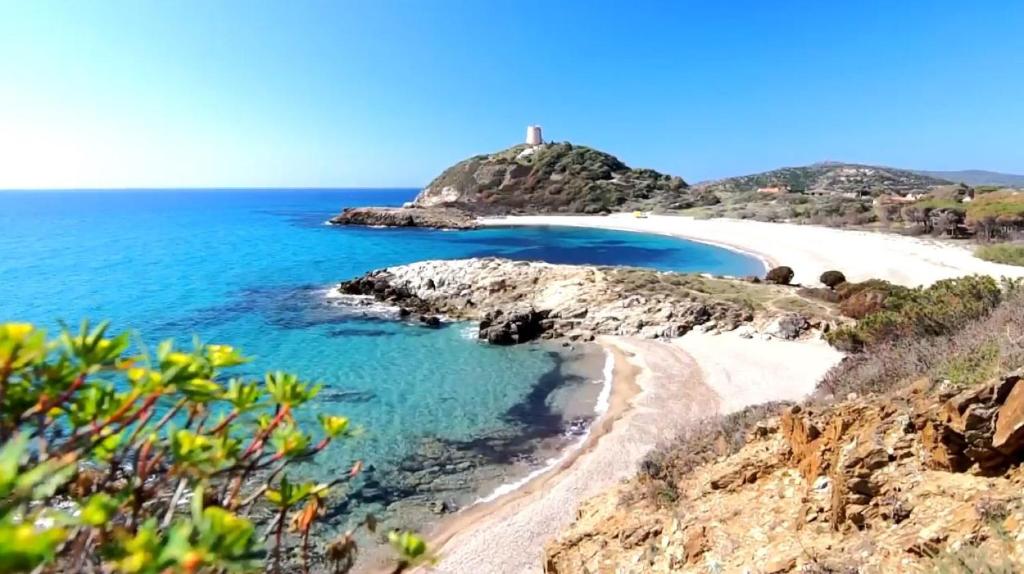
(808, 249)
(671, 390)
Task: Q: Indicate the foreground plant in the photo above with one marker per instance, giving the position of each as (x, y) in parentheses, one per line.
(117, 461)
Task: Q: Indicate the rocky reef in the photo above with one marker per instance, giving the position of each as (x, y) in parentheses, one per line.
(439, 218)
(925, 478)
(518, 301)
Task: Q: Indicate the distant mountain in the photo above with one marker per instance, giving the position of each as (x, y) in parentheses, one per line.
(977, 177)
(831, 177)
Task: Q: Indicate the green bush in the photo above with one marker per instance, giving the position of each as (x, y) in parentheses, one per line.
(102, 447)
(1008, 253)
(919, 312)
(832, 279)
(781, 275)
(971, 353)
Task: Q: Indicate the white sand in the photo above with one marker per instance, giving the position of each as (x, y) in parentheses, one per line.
(508, 538)
(746, 372)
(808, 249)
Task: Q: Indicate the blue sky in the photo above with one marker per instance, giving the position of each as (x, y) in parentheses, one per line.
(388, 93)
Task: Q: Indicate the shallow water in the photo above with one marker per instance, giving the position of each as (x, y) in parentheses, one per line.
(252, 268)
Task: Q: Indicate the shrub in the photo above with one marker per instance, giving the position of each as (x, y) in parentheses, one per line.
(862, 303)
(101, 449)
(1008, 253)
(832, 279)
(970, 353)
(920, 312)
(781, 275)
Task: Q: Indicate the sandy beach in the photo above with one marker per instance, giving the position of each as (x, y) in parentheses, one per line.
(808, 249)
(659, 387)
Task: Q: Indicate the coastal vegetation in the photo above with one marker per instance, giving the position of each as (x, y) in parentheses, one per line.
(888, 312)
(832, 279)
(781, 275)
(120, 458)
(1008, 253)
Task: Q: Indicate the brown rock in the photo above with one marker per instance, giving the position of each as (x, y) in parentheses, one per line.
(780, 565)
(943, 448)
(695, 543)
(1009, 428)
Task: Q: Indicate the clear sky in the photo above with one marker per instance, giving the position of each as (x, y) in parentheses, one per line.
(388, 93)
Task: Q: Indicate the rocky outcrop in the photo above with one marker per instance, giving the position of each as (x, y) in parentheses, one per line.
(553, 178)
(405, 217)
(908, 481)
(517, 301)
(547, 178)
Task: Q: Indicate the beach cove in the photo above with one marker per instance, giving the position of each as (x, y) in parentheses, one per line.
(662, 386)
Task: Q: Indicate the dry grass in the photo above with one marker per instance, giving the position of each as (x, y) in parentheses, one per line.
(980, 349)
(699, 444)
(753, 296)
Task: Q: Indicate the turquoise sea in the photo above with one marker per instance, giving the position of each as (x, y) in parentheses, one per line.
(252, 268)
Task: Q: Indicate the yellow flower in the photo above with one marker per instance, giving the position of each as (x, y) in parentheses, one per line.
(16, 331)
(223, 356)
(180, 359)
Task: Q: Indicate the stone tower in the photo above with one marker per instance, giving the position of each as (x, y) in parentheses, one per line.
(533, 136)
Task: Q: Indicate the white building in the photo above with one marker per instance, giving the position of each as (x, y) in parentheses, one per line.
(533, 136)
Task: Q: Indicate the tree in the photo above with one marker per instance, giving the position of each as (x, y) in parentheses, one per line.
(102, 447)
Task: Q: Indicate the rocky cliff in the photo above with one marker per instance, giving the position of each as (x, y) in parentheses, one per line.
(517, 301)
(927, 478)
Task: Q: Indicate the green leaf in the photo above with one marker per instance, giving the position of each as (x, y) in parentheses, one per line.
(99, 509)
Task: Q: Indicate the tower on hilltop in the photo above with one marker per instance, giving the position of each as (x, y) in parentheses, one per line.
(533, 136)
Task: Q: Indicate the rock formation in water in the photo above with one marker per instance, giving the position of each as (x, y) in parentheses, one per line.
(518, 301)
(439, 218)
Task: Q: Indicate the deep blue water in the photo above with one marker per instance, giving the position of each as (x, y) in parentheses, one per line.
(251, 268)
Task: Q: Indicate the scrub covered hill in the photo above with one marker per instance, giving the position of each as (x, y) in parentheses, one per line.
(831, 177)
(553, 178)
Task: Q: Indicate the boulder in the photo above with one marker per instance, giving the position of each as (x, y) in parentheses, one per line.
(789, 326)
(498, 328)
(1009, 428)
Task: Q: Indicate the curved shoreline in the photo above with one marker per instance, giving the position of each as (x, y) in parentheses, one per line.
(810, 250)
(766, 261)
(622, 390)
(658, 388)
(723, 373)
